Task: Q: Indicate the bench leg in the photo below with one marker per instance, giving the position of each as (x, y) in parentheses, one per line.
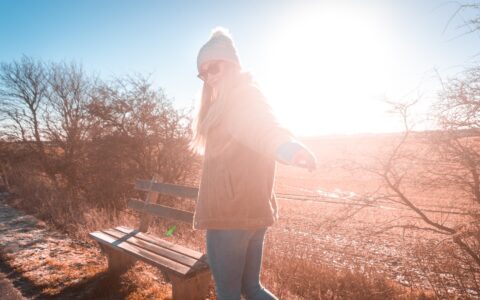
(193, 288)
(118, 263)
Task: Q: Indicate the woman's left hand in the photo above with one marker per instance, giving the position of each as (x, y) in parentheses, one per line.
(305, 159)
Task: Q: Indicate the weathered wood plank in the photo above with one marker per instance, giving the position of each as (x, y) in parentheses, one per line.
(161, 210)
(163, 243)
(165, 252)
(118, 261)
(151, 258)
(167, 189)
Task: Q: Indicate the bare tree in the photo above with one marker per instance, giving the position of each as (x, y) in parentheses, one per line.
(67, 122)
(447, 160)
(470, 24)
(23, 91)
(136, 132)
(91, 138)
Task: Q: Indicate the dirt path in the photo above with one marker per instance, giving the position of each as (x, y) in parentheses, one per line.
(42, 263)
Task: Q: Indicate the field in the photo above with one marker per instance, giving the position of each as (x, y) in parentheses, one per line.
(331, 218)
(334, 239)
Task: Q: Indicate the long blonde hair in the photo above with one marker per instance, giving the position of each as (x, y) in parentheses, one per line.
(213, 105)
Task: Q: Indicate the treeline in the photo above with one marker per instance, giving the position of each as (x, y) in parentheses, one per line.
(68, 138)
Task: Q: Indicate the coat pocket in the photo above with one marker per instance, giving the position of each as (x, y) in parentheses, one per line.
(227, 185)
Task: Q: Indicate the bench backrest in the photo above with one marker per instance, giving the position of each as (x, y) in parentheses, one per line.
(149, 207)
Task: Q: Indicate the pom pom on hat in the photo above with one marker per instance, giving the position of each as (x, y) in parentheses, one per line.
(219, 47)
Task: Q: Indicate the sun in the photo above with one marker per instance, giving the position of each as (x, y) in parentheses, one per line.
(329, 71)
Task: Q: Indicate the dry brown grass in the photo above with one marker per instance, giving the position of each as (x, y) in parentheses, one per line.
(290, 270)
(316, 251)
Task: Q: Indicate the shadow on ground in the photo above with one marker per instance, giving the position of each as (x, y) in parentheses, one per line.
(100, 286)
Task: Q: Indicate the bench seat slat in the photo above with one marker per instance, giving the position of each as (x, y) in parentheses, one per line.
(142, 254)
(163, 243)
(167, 189)
(165, 252)
(161, 210)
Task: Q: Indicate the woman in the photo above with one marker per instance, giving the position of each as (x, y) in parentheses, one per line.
(241, 141)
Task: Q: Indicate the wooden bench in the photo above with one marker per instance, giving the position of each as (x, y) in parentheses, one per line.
(185, 268)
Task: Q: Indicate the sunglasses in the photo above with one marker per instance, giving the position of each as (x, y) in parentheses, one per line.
(212, 70)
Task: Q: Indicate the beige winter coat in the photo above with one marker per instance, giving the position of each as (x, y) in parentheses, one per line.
(236, 188)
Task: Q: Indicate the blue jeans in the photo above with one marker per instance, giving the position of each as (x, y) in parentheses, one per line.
(235, 259)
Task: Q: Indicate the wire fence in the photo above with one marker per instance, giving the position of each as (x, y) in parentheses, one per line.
(368, 203)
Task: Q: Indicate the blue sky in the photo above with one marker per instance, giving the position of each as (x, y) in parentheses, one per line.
(324, 65)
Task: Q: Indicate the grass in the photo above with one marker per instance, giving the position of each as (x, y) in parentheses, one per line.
(290, 270)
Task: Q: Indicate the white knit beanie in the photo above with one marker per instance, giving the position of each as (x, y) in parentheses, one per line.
(219, 47)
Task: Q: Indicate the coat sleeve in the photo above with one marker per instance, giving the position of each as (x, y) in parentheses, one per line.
(251, 122)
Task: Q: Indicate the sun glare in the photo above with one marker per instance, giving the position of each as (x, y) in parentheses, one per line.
(329, 71)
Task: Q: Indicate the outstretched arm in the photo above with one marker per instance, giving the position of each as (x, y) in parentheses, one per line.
(296, 154)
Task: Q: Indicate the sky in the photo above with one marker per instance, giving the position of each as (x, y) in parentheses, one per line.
(326, 67)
